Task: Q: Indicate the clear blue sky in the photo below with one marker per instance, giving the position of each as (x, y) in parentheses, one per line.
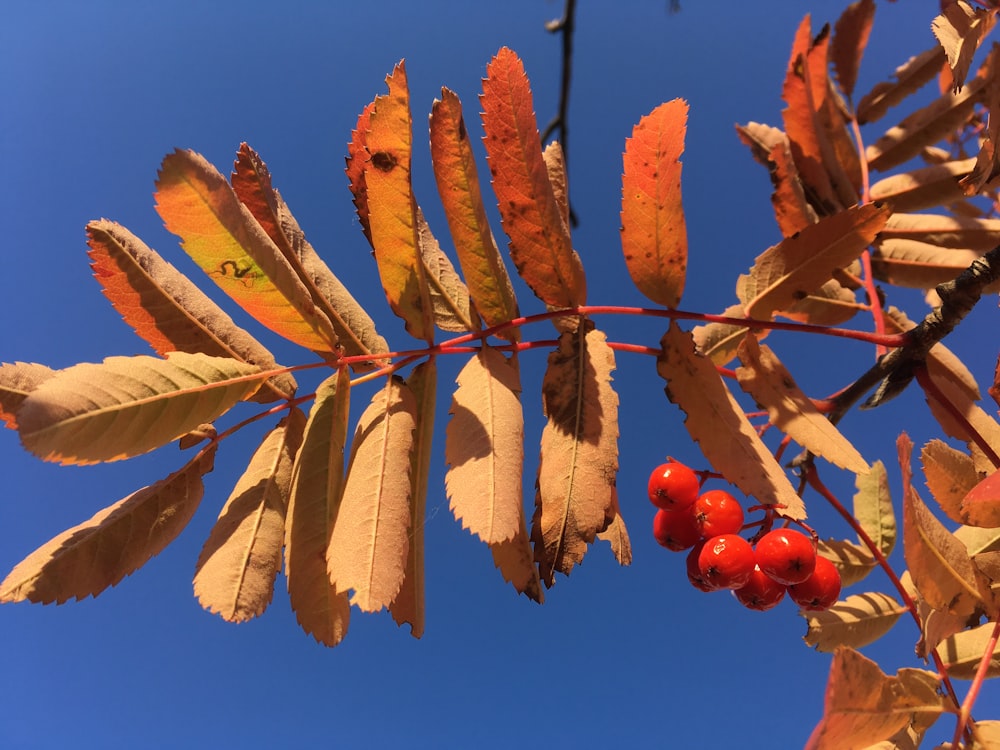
(96, 93)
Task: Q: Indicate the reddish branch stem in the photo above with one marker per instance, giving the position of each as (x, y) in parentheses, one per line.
(965, 713)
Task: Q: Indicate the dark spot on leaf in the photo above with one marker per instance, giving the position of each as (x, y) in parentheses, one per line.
(461, 129)
(383, 161)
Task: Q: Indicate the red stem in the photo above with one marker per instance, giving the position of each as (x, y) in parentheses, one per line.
(965, 714)
(932, 391)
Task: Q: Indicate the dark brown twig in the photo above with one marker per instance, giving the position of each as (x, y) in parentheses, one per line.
(565, 26)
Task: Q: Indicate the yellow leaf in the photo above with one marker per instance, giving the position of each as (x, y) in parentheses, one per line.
(516, 562)
(17, 380)
(873, 507)
(128, 406)
(853, 561)
(962, 652)
(118, 540)
(858, 620)
(949, 474)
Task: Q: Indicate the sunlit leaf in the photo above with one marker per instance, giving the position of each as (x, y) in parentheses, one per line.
(853, 560)
(127, 406)
(936, 185)
(873, 508)
(981, 505)
(579, 451)
(241, 558)
(653, 232)
(856, 621)
(960, 29)
(450, 302)
(971, 416)
(919, 265)
(17, 381)
(943, 231)
(317, 483)
(719, 341)
(719, 425)
(850, 37)
(167, 310)
(485, 447)
(458, 185)
(765, 379)
(516, 562)
(963, 652)
(555, 167)
(830, 305)
(370, 539)
(86, 559)
(540, 244)
(617, 535)
(225, 240)
(909, 77)
(357, 157)
(949, 474)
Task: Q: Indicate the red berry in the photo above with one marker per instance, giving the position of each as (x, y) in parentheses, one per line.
(761, 592)
(717, 512)
(726, 561)
(787, 555)
(673, 485)
(820, 590)
(694, 572)
(675, 529)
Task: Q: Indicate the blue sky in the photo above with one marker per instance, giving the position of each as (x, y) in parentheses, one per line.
(96, 94)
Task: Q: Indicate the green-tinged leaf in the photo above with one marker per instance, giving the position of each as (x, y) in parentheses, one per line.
(863, 705)
(853, 560)
(873, 507)
(449, 296)
(371, 535)
(458, 185)
(801, 264)
(127, 406)
(484, 447)
(17, 381)
(118, 540)
(241, 558)
(856, 621)
(963, 652)
(654, 234)
(719, 425)
(579, 451)
(408, 606)
(765, 379)
(222, 236)
(540, 243)
(354, 327)
(168, 311)
(949, 474)
(939, 563)
(392, 209)
(317, 483)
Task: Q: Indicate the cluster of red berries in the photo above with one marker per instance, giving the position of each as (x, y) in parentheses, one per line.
(708, 524)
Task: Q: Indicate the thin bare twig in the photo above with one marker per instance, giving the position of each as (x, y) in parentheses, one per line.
(565, 26)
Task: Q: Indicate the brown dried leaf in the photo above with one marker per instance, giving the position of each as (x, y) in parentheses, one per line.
(516, 562)
(579, 451)
(17, 381)
(856, 621)
(943, 231)
(949, 474)
(926, 187)
(963, 652)
(959, 400)
(938, 562)
(719, 341)
(118, 540)
(242, 556)
(918, 265)
(850, 37)
(766, 380)
(617, 535)
(317, 483)
(449, 296)
(853, 561)
(718, 424)
(910, 76)
(485, 447)
(864, 705)
(961, 29)
(371, 533)
(555, 165)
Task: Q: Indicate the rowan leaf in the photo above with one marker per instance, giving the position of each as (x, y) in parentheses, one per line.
(863, 705)
(579, 451)
(458, 185)
(960, 29)
(719, 425)
(856, 621)
(354, 327)
(392, 209)
(168, 311)
(516, 562)
(540, 244)
(115, 542)
(925, 187)
(766, 380)
(943, 231)
(719, 341)
(960, 402)
(850, 37)
(450, 301)
(981, 505)
(617, 535)
(801, 264)
(357, 158)
(654, 234)
(873, 507)
(938, 562)
(408, 606)
(919, 265)
(240, 560)
(317, 483)
(555, 168)
(830, 305)
(127, 406)
(909, 77)
(963, 652)
(484, 447)
(950, 475)
(197, 203)
(853, 560)
(370, 538)
(17, 381)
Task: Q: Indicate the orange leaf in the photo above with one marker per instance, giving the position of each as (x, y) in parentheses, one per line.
(718, 424)
(516, 562)
(950, 475)
(936, 185)
(850, 37)
(961, 29)
(392, 210)
(654, 235)
(458, 185)
(909, 76)
(981, 506)
(540, 244)
(357, 157)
